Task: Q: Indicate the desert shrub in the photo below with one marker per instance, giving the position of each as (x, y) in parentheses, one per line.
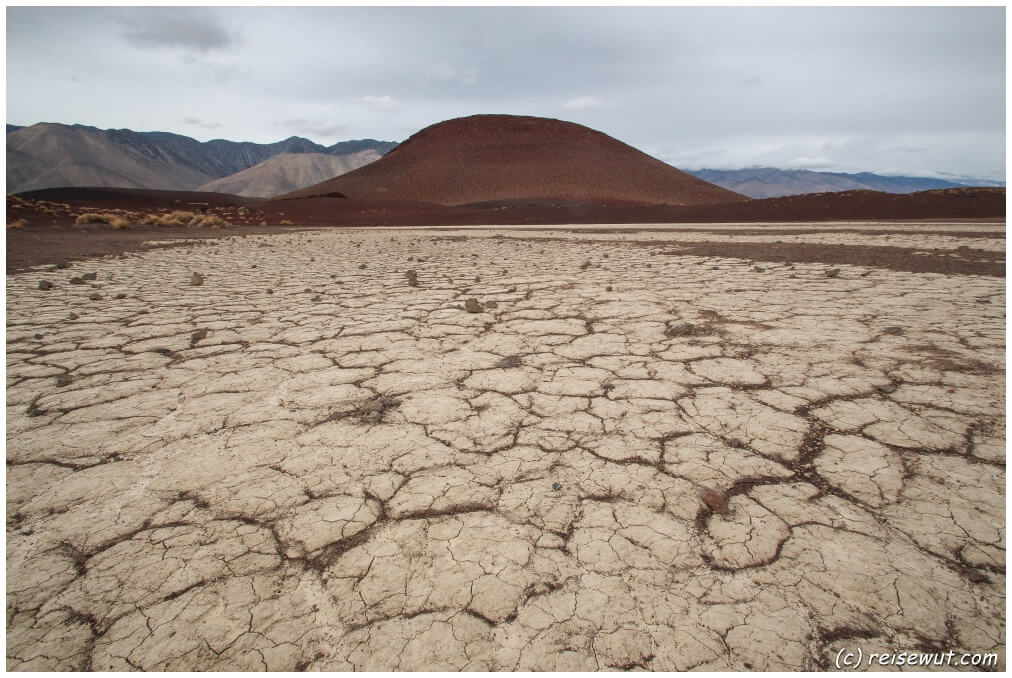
(209, 221)
(100, 218)
(20, 223)
(177, 218)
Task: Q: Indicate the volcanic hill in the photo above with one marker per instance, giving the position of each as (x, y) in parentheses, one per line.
(506, 158)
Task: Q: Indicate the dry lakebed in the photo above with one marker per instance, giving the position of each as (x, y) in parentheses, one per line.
(509, 449)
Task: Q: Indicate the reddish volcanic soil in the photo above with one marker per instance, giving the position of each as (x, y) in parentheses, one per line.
(950, 203)
(49, 235)
(133, 198)
(502, 157)
(961, 203)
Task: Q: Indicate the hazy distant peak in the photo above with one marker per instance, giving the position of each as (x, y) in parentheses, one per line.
(288, 172)
(772, 182)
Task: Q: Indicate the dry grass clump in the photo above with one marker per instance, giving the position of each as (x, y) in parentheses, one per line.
(20, 223)
(209, 221)
(181, 219)
(177, 218)
(113, 220)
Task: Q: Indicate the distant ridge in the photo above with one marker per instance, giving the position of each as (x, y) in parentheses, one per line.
(488, 158)
(770, 182)
(50, 155)
(288, 172)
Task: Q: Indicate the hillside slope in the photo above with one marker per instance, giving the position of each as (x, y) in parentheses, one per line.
(289, 172)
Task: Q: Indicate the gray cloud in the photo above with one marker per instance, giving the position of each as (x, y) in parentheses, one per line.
(315, 129)
(384, 103)
(188, 29)
(197, 122)
(805, 162)
(856, 87)
(580, 103)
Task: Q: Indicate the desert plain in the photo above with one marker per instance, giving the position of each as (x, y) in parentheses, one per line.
(717, 447)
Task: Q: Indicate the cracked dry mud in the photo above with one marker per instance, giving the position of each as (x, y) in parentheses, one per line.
(307, 464)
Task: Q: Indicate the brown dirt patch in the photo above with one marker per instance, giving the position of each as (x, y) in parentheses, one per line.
(962, 262)
(46, 246)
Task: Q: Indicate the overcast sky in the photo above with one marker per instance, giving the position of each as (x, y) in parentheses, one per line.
(916, 91)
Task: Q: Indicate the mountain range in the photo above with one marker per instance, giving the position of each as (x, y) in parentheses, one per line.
(770, 182)
(48, 155)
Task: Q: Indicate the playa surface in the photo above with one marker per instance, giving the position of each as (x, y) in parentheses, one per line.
(701, 446)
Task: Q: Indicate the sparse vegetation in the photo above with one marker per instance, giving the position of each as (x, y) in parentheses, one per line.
(177, 218)
(184, 219)
(209, 221)
(113, 220)
(20, 223)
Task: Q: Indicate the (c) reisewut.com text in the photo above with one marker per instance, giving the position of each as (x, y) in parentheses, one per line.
(854, 659)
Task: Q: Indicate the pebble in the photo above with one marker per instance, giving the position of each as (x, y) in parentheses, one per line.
(681, 330)
(717, 501)
(509, 362)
